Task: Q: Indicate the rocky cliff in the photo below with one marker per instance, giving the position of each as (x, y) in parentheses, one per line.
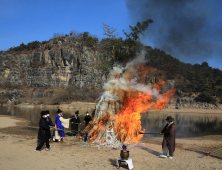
(59, 63)
(60, 70)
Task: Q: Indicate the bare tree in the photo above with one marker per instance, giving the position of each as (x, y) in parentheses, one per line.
(75, 34)
(109, 31)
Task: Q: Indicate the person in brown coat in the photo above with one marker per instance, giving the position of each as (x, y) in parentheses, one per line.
(169, 138)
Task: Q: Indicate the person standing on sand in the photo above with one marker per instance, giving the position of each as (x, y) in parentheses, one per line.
(75, 120)
(44, 131)
(60, 123)
(87, 118)
(169, 138)
(49, 123)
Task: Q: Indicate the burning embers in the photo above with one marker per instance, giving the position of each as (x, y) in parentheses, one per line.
(118, 113)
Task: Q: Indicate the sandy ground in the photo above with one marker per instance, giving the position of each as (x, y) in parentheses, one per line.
(7, 122)
(17, 145)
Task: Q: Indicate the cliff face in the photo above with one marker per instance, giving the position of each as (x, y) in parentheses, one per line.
(59, 66)
(67, 64)
(60, 63)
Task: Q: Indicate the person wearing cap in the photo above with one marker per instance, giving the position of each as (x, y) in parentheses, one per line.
(60, 123)
(44, 131)
(169, 138)
(75, 120)
(87, 118)
(49, 121)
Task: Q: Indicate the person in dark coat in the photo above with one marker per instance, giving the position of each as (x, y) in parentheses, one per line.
(49, 121)
(169, 138)
(44, 130)
(87, 118)
(74, 123)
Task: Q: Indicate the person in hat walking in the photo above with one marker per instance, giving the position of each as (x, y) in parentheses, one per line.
(49, 121)
(60, 123)
(87, 118)
(169, 138)
(44, 131)
(75, 120)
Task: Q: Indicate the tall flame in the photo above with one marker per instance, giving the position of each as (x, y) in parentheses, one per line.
(128, 119)
(125, 86)
(102, 124)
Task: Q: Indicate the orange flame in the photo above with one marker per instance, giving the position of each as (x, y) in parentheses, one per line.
(101, 125)
(128, 120)
(157, 87)
(144, 71)
(127, 123)
(161, 82)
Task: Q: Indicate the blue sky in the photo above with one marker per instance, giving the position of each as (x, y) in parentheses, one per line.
(28, 20)
(189, 30)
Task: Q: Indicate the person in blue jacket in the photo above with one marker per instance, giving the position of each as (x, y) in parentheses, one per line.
(60, 123)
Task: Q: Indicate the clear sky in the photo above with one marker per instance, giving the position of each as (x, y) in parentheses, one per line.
(189, 30)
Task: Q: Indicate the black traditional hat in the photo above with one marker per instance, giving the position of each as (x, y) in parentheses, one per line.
(77, 112)
(87, 112)
(47, 112)
(169, 119)
(59, 111)
(43, 113)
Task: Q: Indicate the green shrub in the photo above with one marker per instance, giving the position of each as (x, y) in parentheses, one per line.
(182, 88)
(30, 46)
(104, 67)
(90, 41)
(45, 42)
(205, 97)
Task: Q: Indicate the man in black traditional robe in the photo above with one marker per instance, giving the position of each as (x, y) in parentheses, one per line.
(169, 138)
(75, 121)
(49, 121)
(87, 118)
(44, 131)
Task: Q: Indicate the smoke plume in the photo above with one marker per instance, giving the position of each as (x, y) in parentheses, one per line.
(189, 30)
(125, 79)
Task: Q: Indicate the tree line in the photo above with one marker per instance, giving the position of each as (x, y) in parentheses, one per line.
(201, 79)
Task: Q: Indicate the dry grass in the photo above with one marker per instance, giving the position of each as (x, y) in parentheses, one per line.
(52, 96)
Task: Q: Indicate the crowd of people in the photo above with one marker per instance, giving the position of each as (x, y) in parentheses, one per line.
(46, 125)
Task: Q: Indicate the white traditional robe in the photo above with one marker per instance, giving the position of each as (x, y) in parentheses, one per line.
(65, 124)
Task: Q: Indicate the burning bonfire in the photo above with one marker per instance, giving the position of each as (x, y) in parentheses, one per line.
(117, 118)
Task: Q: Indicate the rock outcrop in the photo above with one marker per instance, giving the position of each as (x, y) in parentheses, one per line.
(63, 62)
(191, 103)
(59, 63)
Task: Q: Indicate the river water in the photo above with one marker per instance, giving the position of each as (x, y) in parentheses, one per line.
(187, 124)
(33, 114)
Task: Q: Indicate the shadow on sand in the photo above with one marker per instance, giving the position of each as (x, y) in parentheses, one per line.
(203, 154)
(150, 151)
(123, 165)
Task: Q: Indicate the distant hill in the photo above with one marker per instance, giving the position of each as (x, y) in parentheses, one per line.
(83, 62)
(199, 79)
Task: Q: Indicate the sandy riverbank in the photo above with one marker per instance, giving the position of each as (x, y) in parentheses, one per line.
(8, 122)
(18, 143)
